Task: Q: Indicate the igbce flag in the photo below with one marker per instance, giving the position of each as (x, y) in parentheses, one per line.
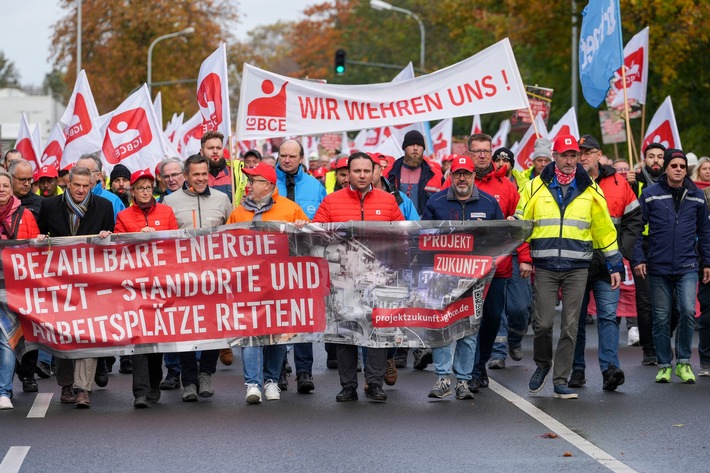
(52, 154)
(636, 62)
(26, 144)
(272, 105)
(600, 51)
(213, 93)
(567, 125)
(80, 123)
(663, 128)
(132, 135)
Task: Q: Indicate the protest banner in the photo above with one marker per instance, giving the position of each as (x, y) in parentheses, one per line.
(374, 284)
(272, 105)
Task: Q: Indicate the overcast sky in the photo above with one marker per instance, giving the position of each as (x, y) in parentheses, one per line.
(27, 28)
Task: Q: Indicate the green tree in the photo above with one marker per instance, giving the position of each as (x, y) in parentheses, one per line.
(9, 77)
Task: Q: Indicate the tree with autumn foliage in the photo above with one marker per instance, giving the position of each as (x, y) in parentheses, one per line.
(115, 41)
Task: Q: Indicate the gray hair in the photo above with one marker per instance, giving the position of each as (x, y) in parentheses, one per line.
(18, 162)
(96, 156)
(78, 171)
(167, 161)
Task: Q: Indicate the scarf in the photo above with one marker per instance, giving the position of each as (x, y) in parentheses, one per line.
(76, 211)
(564, 179)
(258, 207)
(6, 214)
(481, 173)
(147, 207)
(650, 178)
(291, 187)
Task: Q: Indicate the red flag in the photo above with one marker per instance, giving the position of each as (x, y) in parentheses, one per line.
(190, 134)
(476, 125)
(80, 123)
(663, 128)
(213, 93)
(636, 62)
(52, 155)
(501, 137)
(26, 144)
(441, 136)
(526, 146)
(567, 125)
(132, 134)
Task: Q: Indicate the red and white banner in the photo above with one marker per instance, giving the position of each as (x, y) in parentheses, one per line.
(26, 143)
(526, 146)
(567, 125)
(390, 147)
(190, 134)
(52, 154)
(500, 139)
(441, 137)
(172, 129)
(80, 123)
(663, 128)
(234, 283)
(213, 93)
(132, 135)
(273, 105)
(476, 125)
(345, 143)
(158, 107)
(636, 62)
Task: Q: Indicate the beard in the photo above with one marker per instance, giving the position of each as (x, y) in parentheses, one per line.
(218, 164)
(653, 173)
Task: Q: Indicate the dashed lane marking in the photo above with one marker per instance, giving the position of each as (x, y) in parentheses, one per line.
(40, 406)
(560, 429)
(13, 459)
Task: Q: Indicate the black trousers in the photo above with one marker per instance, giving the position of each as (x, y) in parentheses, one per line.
(147, 373)
(374, 366)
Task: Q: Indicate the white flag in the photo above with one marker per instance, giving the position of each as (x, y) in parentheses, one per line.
(213, 92)
(500, 140)
(663, 128)
(476, 125)
(636, 62)
(567, 125)
(80, 123)
(524, 149)
(441, 136)
(26, 143)
(52, 155)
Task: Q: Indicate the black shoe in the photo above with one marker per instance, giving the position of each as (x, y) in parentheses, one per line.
(287, 367)
(141, 402)
(474, 385)
(375, 392)
(332, 363)
(400, 362)
(577, 379)
(484, 376)
(171, 381)
(649, 358)
(283, 379)
(101, 375)
(347, 394)
(304, 383)
(126, 366)
(29, 385)
(109, 360)
(422, 358)
(153, 395)
(589, 320)
(43, 370)
(400, 357)
(613, 378)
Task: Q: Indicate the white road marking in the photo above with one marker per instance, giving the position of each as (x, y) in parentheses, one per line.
(13, 459)
(560, 429)
(40, 406)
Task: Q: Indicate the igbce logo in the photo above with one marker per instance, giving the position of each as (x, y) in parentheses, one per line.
(81, 122)
(268, 113)
(126, 134)
(209, 98)
(52, 155)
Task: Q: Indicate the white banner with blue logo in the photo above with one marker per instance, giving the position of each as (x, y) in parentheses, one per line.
(600, 48)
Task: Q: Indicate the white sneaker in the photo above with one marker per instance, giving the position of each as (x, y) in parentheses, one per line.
(253, 394)
(633, 337)
(5, 403)
(272, 391)
(704, 371)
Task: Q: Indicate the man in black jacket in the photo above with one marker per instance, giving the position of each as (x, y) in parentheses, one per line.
(76, 212)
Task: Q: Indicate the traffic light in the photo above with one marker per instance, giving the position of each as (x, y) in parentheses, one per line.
(340, 62)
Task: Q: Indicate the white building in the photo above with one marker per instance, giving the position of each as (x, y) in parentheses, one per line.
(42, 110)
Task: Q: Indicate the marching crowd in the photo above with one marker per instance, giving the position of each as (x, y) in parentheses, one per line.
(589, 214)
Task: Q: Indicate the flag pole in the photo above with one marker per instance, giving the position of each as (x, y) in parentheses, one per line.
(629, 136)
(537, 133)
(234, 172)
(643, 124)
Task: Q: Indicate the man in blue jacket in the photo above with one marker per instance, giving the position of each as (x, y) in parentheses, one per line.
(677, 217)
(297, 185)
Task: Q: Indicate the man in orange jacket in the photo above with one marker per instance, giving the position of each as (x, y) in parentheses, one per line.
(360, 201)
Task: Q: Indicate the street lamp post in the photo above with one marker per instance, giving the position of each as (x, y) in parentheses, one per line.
(78, 38)
(186, 31)
(380, 5)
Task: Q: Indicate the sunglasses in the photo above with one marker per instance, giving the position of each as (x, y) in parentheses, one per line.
(677, 166)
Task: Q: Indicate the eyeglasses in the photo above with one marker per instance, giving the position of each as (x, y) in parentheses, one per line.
(143, 189)
(590, 152)
(483, 152)
(460, 174)
(251, 181)
(23, 180)
(171, 177)
(677, 166)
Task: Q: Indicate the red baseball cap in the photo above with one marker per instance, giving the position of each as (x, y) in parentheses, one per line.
(565, 143)
(341, 163)
(464, 163)
(449, 157)
(143, 173)
(320, 172)
(47, 171)
(263, 170)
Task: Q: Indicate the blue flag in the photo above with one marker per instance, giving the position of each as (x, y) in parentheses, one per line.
(600, 48)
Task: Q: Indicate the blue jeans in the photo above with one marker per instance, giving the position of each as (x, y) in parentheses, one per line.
(514, 319)
(461, 361)
(302, 357)
(7, 366)
(607, 301)
(172, 361)
(685, 287)
(704, 325)
(262, 364)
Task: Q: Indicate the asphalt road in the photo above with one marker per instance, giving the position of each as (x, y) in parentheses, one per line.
(643, 427)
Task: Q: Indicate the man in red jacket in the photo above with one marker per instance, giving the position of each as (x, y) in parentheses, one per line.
(359, 201)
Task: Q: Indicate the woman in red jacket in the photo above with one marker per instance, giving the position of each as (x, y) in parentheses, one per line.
(16, 223)
(145, 215)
